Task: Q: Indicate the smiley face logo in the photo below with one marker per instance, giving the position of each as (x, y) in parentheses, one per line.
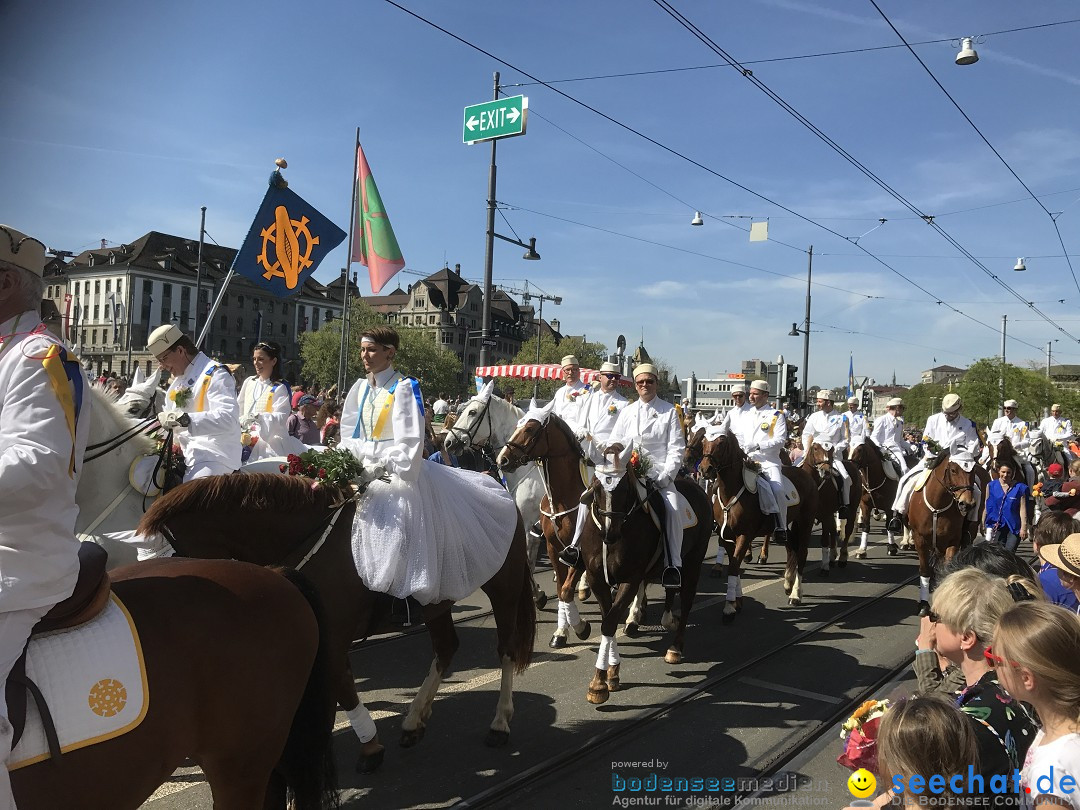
(861, 783)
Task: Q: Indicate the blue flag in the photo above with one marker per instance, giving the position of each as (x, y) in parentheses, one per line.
(286, 242)
(851, 376)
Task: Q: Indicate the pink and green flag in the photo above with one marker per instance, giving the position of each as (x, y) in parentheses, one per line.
(374, 244)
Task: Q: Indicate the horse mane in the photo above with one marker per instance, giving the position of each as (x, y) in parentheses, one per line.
(560, 423)
(237, 493)
(106, 404)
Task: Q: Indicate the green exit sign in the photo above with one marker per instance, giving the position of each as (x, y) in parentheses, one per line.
(501, 118)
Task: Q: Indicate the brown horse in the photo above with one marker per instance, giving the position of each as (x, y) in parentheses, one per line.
(277, 519)
(938, 517)
(236, 674)
(821, 461)
(559, 457)
(879, 491)
(738, 513)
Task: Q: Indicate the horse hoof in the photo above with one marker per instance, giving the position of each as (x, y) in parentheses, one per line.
(762, 560)
(583, 594)
(613, 684)
(794, 601)
(924, 608)
(824, 572)
(673, 656)
(585, 632)
(541, 600)
(631, 630)
(893, 550)
(859, 555)
(597, 696)
(716, 572)
(496, 739)
(371, 762)
(557, 642)
(411, 738)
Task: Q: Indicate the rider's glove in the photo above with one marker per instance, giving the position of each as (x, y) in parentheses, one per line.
(581, 436)
(171, 420)
(372, 473)
(751, 448)
(663, 481)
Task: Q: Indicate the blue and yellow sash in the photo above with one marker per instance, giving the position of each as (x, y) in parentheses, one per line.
(66, 381)
(382, 420)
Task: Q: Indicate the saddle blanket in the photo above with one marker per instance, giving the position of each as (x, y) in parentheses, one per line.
(921, 479)
(752, 480)
(94, 681)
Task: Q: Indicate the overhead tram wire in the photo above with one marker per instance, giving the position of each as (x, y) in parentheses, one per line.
(936, 299)
(706, 40)
(662, 71)
(997, 154)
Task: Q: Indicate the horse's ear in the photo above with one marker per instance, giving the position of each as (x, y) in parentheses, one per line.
(138, 376)
(624, 456)
(485, 393)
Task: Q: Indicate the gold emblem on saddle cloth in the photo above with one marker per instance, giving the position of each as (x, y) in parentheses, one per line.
(107, 697)
(284, 236)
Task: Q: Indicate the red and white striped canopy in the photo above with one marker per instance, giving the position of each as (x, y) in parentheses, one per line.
(541, 371)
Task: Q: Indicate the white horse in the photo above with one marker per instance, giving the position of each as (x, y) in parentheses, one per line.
(490, 420)
(143, 398)
(107, 500)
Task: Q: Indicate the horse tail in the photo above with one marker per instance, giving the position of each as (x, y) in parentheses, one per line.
(525, 628)
(307, 763)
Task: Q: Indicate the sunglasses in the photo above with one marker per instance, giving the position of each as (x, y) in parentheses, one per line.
(645, 382)
(995, 661)
(933, 617)
(609, 376)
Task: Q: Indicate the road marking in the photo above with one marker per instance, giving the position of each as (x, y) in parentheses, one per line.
(791, 690)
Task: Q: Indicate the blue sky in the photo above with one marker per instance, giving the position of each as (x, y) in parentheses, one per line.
(124, 117)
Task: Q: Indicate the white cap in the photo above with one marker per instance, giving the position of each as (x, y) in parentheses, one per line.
(646, 368)
(163, 338)
(825, 394)
(608, 368)
(760, 385)
(1056, 405)
(895, 402)
(738, 388)
(852, 400)
(22, 250)
(1011, 403)
(951, 403)
(570, 360)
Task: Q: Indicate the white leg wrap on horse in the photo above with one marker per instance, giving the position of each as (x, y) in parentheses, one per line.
(738, 586)
(732, 587)
(573, 618)
(865, 537)
(362, 724)
(613, 657)
(924, 589)
(602, 653)
(563, 620)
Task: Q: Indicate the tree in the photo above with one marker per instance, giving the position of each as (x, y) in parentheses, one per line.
(980, 392)
(921, 401)
(437, 369)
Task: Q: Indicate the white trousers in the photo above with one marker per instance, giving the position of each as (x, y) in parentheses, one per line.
(771, 470)
(897, 455)
(838, 465)
(672, 524)
(15, 629)
(201, 469)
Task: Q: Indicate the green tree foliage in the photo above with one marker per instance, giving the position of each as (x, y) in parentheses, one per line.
(921, 401)
(591, 355)
(437, 369)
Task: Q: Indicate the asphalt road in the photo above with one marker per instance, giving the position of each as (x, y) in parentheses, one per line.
(729, 730)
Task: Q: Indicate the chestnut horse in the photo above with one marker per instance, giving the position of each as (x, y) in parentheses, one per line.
(559, 457)
(277, 519)
(821, 460)
(236, 674)
(879, 491)
(739, 515)
(938, 517)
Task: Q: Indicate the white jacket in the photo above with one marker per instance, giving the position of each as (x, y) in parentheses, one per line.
(1056, 430)
(765, 430)
(824, 427)
(569, 404)
(383, 423)
(654, 428)
(599, 413)
(214, 432)
(958, 434)
(889, 432)
(268, 405)
(42, 387)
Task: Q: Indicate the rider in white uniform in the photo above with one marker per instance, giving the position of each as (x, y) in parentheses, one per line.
(827, 425)
(200, 405)
(763, 434)
(44, 422)
(1015, 430)
(888, 433)
(951, 431)
(856, 429)
(571, 397)
(1058, 430)
(732, 419)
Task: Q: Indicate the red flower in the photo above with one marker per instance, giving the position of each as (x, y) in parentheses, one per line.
(322, 473)
(283, 467)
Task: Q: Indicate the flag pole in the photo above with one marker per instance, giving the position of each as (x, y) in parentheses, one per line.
(344, 346)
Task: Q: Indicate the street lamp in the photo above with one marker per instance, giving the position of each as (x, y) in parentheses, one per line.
(805, 332)
(529, 255)
(526, 297)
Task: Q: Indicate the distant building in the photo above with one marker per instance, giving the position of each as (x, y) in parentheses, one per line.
(1067, 376)
(882, 394)
(942, 375)
(709, 395)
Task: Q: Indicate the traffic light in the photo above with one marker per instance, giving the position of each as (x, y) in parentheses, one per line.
(791, 384)
(867, 400)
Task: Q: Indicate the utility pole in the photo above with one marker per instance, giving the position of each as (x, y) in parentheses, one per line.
(198, 272)
(1001, 377)
(805, 402)
(485, 321)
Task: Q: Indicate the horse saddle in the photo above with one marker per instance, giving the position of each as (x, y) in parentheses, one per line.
(922, 478)
(750, 479)
(687, 516)
(86, 602)
(791, 494)
(141, 476)
(890, 468)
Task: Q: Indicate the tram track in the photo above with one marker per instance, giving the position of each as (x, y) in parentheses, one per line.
(550, 768)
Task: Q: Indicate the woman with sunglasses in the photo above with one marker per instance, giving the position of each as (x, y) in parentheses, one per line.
(1036, 651)
(265, 406)
(966, 607)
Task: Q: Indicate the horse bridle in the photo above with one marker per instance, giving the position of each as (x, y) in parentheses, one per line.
(715, 467)
(470, 434)
(954, 490)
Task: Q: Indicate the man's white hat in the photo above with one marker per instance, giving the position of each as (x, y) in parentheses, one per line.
(951, 403)
(1011, 403)
(608, 368)
(646, 368)
(738, 388)
(21, 250)
(895, 402)
(163, 338)
(760, 385)
(1056, 405)
(825, 394)
(852, 400)
(570, 360)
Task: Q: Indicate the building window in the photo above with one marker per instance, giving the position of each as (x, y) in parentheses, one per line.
(119, 286)
(254, 304)
(107, 313)
(421, 302)
(284, 307)
(284, 330)
(90, 263)
(269, 328)
(97, 286)
(224, 323)
(108, 285)
(96, 310)
(431, 319)
(93, 337)
(314, 319)
(239, 301)
(405, 320)
(271, 306)
(240, 324)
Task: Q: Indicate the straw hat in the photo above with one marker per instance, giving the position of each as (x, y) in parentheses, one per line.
(163, 338)
(738, 388)
(825, 394)
(1065, 555)
(950, 403)
(760, 385)
(609, 368)
(570, 360)
(1011, 403)
(895, 402)
(646, 368)
(22, 250)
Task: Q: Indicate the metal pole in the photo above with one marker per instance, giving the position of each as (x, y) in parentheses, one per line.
(214, 307)
(485, 323)
(1048, 359)
(805, 397)
(131, 303)
(1001, 377)
(198, 271)
(539, 326)
(344, 342)
(344, 348)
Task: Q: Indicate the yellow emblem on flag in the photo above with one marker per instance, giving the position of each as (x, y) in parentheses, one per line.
(285, 235)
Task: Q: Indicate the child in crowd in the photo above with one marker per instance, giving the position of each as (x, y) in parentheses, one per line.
(1050, 531)
(1065, 557)
(1036, 649)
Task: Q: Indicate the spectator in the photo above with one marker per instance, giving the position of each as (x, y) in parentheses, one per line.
(301, 424)
(1055, 477)
(296, 394)
(331, 429)
(1036, 649)
(1006, 509)
(1051, 530)
(440, 409)
(1065, 557)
